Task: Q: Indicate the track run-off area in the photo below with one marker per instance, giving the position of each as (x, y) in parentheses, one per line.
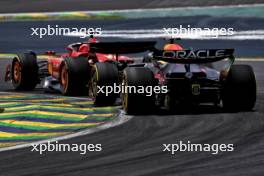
(27, 118)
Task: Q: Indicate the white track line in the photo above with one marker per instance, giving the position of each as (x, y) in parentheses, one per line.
(160, 33)
(250, 59)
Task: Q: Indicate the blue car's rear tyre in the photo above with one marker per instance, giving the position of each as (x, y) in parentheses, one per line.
(134, 102)
(239, 91)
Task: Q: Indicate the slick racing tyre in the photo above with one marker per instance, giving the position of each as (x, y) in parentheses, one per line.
(24, 71)
(135, 102)
(239, 92)
(74, 76)
(104, 76)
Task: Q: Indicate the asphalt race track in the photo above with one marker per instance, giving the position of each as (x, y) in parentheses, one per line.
(135, 148)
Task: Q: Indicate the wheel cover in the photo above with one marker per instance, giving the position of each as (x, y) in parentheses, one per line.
(64, 78)
(17, 72)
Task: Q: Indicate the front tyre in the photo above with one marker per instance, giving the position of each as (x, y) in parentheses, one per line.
(24, 71)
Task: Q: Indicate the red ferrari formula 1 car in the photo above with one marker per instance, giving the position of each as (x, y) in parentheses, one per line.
(81, 70)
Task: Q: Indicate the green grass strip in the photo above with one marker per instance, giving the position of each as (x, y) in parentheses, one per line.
(65, 109)
(41, 116)
(26, 137)
(41, 128)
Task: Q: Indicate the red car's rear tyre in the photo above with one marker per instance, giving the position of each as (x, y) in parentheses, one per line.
(103, 74)
(74, 76)
(24, 71)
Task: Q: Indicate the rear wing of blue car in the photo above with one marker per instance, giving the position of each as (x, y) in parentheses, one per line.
(194, 57)
(122, 47)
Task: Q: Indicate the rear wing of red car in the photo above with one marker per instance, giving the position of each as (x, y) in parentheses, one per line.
(194, 57)
(122, 47)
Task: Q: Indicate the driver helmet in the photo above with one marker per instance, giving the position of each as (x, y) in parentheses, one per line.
(84, 48)
(172, 47)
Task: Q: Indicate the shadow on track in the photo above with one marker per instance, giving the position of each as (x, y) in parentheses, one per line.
(196, 110)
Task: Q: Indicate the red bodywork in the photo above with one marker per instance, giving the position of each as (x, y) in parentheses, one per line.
(55, 61)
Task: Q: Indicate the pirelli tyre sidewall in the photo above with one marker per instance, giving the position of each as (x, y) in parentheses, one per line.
(103, 74)
(24, 71)
(239, 91)
(138, 103)
(74, 76)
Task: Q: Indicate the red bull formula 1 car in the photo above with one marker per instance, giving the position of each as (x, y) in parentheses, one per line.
(191, 78)
(81, 70)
